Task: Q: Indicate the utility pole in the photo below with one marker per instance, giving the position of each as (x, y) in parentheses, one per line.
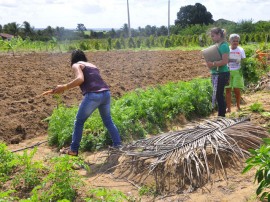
(129, 33)
(168, 18)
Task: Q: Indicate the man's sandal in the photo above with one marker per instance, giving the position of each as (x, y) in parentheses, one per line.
(68, 151)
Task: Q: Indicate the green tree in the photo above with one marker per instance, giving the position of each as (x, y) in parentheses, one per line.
(125, 30)
(59, 31)
(1, 28)
(191, 15)
(262, 26)
(81, 27)
(245, 26)
(27, 29)
(112, 33)
(12, 28)
(162, 31)
(49, 32)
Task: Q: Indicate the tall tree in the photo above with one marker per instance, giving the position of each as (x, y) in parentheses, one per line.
(81, 27)
(191, 15)
(27, 29)
(12, 28)
(59, 31)
(49, 31)
(125, 30)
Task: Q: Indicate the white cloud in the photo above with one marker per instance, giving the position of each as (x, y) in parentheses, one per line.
(113, 13)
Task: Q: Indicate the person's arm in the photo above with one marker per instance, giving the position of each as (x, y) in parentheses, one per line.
(222, 62)
(79, 79)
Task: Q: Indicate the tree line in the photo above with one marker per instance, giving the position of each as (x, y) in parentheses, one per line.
(191, 20)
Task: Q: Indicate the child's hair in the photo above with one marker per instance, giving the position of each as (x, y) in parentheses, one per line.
(78, 55)
(217, 30)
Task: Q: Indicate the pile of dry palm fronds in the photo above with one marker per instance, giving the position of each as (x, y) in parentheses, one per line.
(187, 159)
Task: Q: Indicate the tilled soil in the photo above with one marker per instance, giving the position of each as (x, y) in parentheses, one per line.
(25, 76)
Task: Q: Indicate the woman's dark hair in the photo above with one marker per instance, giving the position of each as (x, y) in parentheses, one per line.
(78, 55)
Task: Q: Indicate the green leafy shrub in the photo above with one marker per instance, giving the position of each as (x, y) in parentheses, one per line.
(167, 43)
(8, 162)
(61, 125)
(102, 194)
(62, 182)
(256, 107)
(251, 71)
(30, 172)
(260, 159)
(117, 44)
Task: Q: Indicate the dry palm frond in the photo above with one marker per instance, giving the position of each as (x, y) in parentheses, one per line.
(191, 156)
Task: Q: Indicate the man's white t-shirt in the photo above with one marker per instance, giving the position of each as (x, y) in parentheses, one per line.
(235, 58)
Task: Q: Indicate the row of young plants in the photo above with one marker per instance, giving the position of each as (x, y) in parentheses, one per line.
(150, 110)
(18, 44)
(136, 114)
(24, 179)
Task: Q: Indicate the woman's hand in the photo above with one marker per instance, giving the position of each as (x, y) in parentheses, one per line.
(210, 65)
(60, 89)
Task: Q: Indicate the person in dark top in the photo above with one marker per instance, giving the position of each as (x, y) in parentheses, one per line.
(96, 95)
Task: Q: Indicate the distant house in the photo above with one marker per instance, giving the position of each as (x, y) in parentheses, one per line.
(6, 36)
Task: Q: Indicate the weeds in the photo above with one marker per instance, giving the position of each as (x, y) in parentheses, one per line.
(102, 194)
(256, 107)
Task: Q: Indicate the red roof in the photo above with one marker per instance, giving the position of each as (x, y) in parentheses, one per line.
(6, 36)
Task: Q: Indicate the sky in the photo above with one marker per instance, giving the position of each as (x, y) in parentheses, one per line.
(113, 13)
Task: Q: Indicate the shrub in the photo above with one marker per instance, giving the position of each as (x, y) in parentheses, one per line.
(29, 175)
(102, 194)
(250, 70)
(8, 162)
(260, 159)
(61, 183)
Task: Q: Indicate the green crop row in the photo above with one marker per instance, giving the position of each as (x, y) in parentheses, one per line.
(17, 44)
(136, 114)
(24, 179)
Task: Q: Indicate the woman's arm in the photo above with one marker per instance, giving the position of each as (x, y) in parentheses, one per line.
(223, 61)
(79, 79)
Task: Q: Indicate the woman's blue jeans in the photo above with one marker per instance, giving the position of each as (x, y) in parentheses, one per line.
(90, 102)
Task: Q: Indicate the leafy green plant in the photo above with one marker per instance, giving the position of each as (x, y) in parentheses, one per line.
(260, 160)
(250, 70)
(146, 190)
(30, 171)
(5, 196)
(62, 181)
(256, 107)
(102, 194)
(8, 162)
